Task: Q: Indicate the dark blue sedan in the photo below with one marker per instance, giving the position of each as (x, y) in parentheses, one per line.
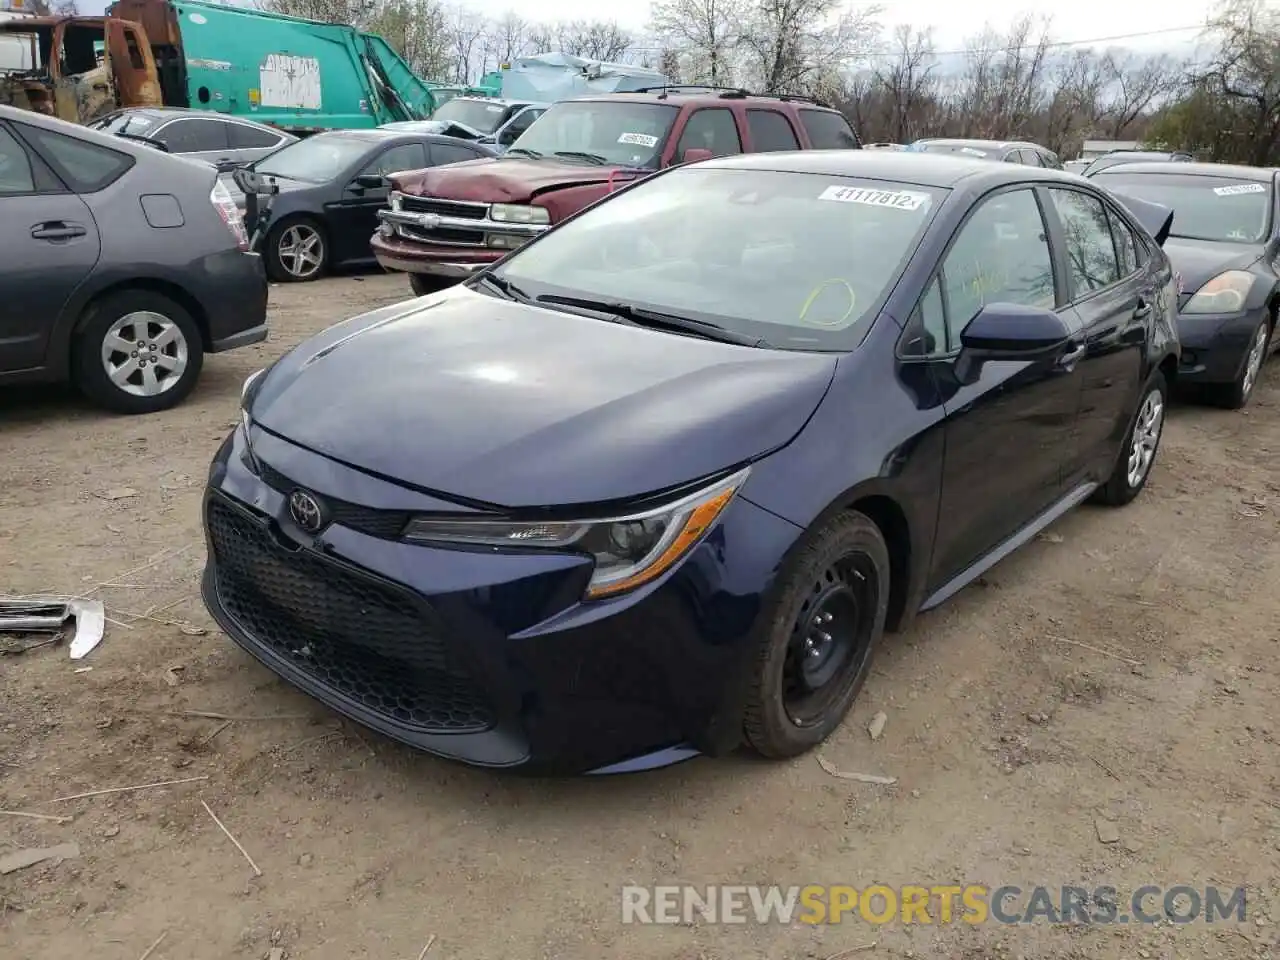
(656, 483)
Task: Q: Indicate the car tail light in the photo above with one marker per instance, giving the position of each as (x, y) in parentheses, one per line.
(225, 204)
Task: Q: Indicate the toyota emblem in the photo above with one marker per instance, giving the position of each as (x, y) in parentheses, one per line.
(306, 511)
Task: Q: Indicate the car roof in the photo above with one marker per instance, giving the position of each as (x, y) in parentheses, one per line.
(680, 96)
(141, 152)
(1186, 168)
(502, 101)
(163, 113)
(997, 144)
(922, 169)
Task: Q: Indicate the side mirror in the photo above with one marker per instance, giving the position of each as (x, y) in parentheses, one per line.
(1008, 331)
(506, 138)
(226, 166)
(370, 181)
(696, 155)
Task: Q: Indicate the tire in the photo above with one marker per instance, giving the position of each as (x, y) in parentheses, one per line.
(1129, 476)
(1235, 395)
(846, 558)
(421, 284)
(109, 335)
(297, 251)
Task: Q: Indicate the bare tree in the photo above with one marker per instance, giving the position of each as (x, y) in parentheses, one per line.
(592, 39)
(418, 30)
(669, 65)
(1246, 71)
(467, 31)
(510, 37)
(800, 45)
(1137, 83)
(358, 13)
(56, 8)
(707, 30)
(906, 80)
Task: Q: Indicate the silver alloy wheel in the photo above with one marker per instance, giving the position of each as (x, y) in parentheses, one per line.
(1253, 363)
(301, 251)
(1146, 435)
(144, 354)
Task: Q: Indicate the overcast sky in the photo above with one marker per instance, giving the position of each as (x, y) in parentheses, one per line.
(953, 20)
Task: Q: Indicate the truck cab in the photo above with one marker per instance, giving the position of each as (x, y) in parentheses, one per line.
(448, 222)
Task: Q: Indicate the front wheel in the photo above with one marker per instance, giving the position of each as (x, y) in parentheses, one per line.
(137, 352)
(1138, 454)
(818, 637)
(1236, 395)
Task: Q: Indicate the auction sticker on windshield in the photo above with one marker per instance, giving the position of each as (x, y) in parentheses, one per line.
(1238, 188)
(898, 199)
(639, 139)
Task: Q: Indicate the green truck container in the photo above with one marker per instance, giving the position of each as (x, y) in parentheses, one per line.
(300, 75)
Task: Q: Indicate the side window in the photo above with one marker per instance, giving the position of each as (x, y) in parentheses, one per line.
(712, 129)
(1001, 255)
(521, 123)
(926, 333)
(16, 173)
(193, 136)
(442, 153)
(1050, 160)
(1091, 253)
(1126, 245)
(241, 136)
(1030, 157)
(1013, 156)
(770, 130)
(828, 130)
(407, 156)
(85, 167)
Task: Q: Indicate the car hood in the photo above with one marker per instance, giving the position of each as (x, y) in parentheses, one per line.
(504, 179)
(1199, 261)
(485, 400)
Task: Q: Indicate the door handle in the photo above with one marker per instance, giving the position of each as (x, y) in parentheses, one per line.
(57, 230)
(1143, 309)
(1069, 359)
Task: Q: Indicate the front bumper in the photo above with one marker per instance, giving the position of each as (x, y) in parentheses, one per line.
(1214, 346)
(486, 658)
(445, 245)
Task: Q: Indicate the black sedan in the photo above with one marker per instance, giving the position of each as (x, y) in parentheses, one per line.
(1224, 244)
(331, 186)
(656, 483)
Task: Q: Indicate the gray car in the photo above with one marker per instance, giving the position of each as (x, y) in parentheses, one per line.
(120, 266)
(220, 140)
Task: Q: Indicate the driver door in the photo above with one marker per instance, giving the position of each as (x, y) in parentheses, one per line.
(1009, 435)
(353, 217)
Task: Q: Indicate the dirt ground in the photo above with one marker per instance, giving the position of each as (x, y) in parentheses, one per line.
(1122, 671)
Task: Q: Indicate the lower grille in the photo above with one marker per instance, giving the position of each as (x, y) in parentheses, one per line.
(446, 235)
(373, 644)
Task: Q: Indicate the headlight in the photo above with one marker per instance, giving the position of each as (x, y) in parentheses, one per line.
(629, 551)
(1225, 293)
(515, 213)
(247, 393)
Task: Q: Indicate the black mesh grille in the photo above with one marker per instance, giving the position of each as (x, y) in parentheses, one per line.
(369, 642)
(447, 208)
(387, 524)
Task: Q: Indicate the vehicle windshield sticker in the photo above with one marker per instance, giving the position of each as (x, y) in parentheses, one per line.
(898, 199)
(973, 152)
(494, 107)
(638, 139)
(1238, 188)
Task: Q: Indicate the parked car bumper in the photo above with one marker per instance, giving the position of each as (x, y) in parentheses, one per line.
(411, 242)
(1214, 345)
(235, 300)
(490, 659)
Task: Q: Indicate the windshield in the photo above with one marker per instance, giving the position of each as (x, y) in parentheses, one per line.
(1122, 157)
(317, 159)
(800, 260)
(967, 149)
(1221, 209)
(130, 124)
(616, 132)
(476, 114)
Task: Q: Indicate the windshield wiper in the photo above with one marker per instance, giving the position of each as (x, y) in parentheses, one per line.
(577, 155)
(640, 317)
(505, 287)
(526, 151)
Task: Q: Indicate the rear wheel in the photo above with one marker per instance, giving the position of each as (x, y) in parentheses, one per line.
(424, 283)
(1138, 454)
(1236, 395)
(137, 352)
(818, 637)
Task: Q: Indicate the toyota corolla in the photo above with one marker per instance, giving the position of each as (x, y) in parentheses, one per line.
(655, 484)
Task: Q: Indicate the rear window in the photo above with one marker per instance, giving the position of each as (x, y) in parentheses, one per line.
(828, 130)
(1214, 208)
(84, 167)
(962, 149)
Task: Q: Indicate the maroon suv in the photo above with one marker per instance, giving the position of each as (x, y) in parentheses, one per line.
(447, 222)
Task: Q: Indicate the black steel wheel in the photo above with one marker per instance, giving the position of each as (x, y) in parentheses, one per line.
(818, 636)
